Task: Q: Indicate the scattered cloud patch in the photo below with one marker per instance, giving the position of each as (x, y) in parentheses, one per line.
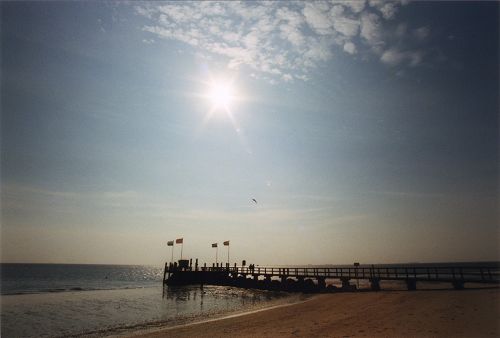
(285, 40)
(394, 57)
(350, 48)
(422, 32)
(371, 29)
(387, 9)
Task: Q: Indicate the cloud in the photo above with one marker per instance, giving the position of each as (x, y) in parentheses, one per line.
(283, 41)
(394, 57)
(422, 33)
(346, 26)
(354, 5)
(317, 17)
(350, 48)
(388, 10)
(371, 29)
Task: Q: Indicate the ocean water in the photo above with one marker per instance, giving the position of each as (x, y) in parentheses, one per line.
(56, 300)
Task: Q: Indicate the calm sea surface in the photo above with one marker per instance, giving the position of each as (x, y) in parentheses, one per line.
(56, 300)
(51, 300)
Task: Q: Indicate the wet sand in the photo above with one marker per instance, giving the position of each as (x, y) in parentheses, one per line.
(426, 313)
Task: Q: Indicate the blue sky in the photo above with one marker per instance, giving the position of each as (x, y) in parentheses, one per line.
(366, 131)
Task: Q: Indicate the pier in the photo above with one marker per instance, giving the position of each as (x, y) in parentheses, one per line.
(314, 279)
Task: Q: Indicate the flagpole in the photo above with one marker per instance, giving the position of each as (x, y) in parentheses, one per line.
(216, 254)
(172, 259)
(182, 246)
(228, 254)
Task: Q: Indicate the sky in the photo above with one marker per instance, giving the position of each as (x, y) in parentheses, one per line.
(366, 131)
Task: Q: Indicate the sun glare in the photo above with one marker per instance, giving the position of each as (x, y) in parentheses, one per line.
(221, 95)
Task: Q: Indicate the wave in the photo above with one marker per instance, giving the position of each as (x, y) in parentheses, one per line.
(70, 289)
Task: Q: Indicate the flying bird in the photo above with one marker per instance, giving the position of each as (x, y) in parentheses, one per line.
(253, 199)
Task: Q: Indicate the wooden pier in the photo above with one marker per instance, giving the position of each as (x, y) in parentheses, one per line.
(314, 279)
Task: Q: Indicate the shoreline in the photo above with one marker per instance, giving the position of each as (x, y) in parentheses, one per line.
(471, 312)
(218, 317)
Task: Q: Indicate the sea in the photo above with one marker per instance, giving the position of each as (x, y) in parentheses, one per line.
(66, 300)
(75, 300)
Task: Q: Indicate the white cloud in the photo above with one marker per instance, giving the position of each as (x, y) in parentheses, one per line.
(392, 57)
(346, 26)
(287, 77)
(371, 28)
(350, 48)
(395, 57)
(283, 40)
(388, 10)
(317, 18)
(354, 5)
(292, 35)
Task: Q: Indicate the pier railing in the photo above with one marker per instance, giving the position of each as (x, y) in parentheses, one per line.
(480, 274)
(469, 274)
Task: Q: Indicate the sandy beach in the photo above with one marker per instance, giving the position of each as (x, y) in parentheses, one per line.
(425, 313)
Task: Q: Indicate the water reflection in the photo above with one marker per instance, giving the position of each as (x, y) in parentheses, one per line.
(213, 299)
(47, 314)
(177, 293)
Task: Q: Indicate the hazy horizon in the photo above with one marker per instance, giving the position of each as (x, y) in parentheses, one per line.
(365, 131)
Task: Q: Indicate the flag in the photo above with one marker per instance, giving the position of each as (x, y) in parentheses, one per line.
(170, 243)
(214, 245)
(178, 240)
(226, 243)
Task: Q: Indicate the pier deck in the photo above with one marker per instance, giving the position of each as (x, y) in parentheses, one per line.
(299, 278)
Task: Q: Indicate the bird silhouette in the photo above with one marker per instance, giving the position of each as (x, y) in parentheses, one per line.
(253, 199)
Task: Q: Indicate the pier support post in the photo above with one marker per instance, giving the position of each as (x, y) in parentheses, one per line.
(345, 283)
(283, 281)
(411, 284)
(321, 283)
(255, 281)
(268, 279)
(458, 284)
(375, 284)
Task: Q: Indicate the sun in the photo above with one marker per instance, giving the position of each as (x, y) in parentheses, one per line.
(223, 97)
(221, 94)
